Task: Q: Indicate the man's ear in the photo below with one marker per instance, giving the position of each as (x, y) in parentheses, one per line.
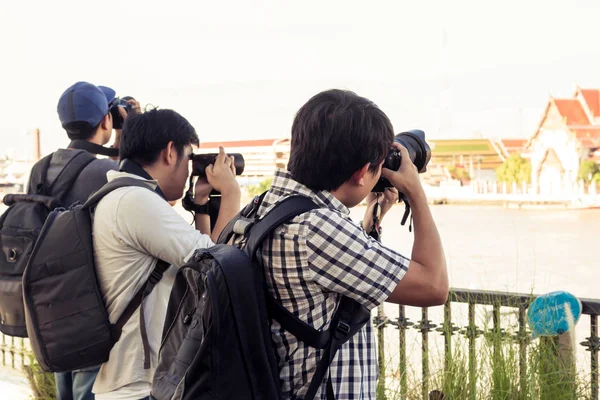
(105, 122)
(170, 154)
(359, 176)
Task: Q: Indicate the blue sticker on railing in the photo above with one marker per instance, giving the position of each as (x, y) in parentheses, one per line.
(553, 313)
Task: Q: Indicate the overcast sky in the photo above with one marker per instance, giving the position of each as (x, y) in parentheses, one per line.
(241, 69)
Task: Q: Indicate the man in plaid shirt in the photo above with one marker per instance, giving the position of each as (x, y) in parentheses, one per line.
(339, 142)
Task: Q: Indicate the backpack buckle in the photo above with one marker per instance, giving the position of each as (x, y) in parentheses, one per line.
(243, 225)
(155, 276)
(342, 329)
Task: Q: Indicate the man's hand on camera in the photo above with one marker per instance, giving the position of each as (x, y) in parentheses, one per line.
(136, 109)
(221, 174)
(386, 200)
(406, 179)
(202, 190)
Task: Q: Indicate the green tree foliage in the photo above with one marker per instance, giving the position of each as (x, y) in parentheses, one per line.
(460, 173)
(263, 186)
(514, 169)
(589, 171)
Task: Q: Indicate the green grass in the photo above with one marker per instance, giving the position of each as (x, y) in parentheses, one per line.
(548, 373)
(41, 383)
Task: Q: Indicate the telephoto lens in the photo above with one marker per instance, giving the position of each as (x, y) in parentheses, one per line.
(201, 161)
(418, 152)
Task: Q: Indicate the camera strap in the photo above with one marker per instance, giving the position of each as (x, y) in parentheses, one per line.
(133, 168)
(375, 231)
(406, 212)
(94, 148)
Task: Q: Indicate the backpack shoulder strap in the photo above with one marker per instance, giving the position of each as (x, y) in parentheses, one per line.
(38, 177)
(113, 185)
(349, 318)
(155, 276)
(283, 211)
(69, 173)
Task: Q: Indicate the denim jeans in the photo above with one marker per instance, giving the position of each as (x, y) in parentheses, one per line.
(76, 385)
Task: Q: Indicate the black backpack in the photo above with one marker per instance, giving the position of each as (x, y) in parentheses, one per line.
(217, 337)
(20, 226)
(67, 321)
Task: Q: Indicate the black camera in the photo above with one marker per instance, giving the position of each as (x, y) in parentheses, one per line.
(418, 151)
(201, 161)
(199, 164)
(114, 110)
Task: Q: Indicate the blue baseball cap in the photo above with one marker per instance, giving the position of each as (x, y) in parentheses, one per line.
(82, 106)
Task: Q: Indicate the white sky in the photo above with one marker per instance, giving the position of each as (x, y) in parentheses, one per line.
(241, 69)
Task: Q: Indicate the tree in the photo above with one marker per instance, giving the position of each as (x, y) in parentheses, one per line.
(262, 186)
(514, 169)
(459, 172)
(587, 171)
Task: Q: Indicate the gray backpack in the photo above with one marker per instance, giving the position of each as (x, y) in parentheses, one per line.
(20, 226)
(66, 318)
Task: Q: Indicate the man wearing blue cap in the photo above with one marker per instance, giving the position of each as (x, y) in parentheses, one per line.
(84, 111)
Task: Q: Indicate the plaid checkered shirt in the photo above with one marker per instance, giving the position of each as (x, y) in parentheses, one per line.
(309, 263)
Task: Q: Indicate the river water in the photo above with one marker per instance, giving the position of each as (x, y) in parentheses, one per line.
(494, 248)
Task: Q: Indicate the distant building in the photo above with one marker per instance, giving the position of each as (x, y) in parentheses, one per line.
(568, 133)
(261, 156)
(480, 157)
(512, 146)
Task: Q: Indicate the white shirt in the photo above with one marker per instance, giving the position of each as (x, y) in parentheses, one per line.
(133, 227)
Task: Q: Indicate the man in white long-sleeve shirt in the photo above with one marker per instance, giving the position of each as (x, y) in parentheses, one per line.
(135, 227)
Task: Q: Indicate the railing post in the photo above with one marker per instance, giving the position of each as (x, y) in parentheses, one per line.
(23, 353)
(522, 351)
(380, 322)
(447, 332)
(593, 345)
(425, 352)
(403, 325)
(3, 349)
(472, 332)
(594, 354)
(13, 350)
(497, 332)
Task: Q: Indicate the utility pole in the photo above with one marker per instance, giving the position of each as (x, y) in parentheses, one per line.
(37, 147)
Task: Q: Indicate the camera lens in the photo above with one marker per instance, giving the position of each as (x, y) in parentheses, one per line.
(418, 149)
(201, 161)
(419, 153)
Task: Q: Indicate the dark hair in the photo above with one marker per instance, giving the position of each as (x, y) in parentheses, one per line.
(80, 130)
(145, 135)
(334, 135)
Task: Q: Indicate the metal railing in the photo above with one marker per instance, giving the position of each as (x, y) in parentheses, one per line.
(473, 298)
(15, 352)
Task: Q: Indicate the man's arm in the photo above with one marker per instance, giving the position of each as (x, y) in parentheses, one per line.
(426, 282)
(343, 259)
(230, 203)
(202, 222)
(146, 222)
